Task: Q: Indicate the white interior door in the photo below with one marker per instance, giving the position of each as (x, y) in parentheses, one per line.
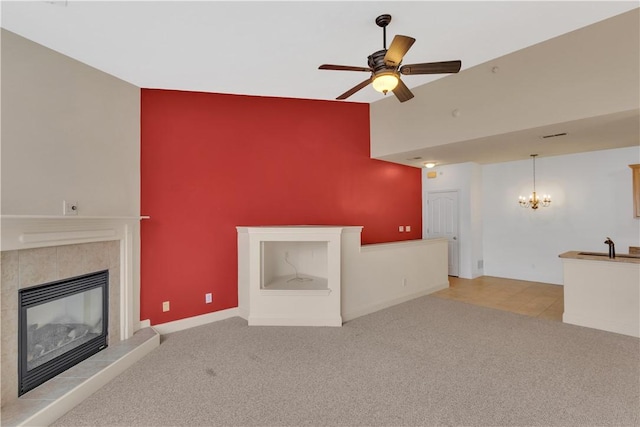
(442, 221)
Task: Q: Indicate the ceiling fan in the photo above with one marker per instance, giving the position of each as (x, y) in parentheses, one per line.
(385, 68)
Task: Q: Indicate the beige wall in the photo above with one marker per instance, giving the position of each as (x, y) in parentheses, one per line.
(587, 73)
(69, 132)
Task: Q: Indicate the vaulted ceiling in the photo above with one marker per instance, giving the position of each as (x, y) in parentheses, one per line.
(267, 48)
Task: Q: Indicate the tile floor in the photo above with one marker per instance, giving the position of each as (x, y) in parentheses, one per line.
(518, 296)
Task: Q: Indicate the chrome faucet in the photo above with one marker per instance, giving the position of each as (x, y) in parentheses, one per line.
(612, 247)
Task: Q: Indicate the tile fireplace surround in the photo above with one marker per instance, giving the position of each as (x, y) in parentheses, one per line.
(42, 249)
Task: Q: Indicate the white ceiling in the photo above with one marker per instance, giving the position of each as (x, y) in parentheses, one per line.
(274, 48)
(268, 48)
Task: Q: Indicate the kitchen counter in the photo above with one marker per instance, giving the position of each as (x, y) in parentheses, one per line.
(602, 292)
(602, 256)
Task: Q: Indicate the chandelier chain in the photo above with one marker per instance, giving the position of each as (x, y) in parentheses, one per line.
(534, 172)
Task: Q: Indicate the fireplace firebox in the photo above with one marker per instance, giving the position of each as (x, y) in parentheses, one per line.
(60, 324)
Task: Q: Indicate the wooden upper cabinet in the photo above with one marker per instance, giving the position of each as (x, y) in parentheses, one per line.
(636, 190)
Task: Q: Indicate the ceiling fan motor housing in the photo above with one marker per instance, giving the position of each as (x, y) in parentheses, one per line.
(377, 64)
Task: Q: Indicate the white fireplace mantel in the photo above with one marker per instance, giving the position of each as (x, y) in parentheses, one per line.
(38, 231)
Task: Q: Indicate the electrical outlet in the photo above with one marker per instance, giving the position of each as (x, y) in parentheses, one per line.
(208, 298)
(400, 228)
(407, 228)
(165, 306)
(69, 208)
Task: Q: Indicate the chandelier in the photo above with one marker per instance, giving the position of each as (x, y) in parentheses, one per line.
(534, 201)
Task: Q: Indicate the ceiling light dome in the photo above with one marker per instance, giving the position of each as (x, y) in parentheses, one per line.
(385, 82)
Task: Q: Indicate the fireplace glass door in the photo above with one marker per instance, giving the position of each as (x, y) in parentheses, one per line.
(61, 324)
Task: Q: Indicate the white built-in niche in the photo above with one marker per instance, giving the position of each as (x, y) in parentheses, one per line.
(294, 266)
(289, 275)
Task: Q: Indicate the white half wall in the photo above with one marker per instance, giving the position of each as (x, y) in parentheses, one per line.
(370, 277)
(378, 276)
(591, 200)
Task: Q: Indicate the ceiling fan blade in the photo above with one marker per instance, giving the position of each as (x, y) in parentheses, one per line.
(432, 68)
(354, 89)
(399, 46)
(342, 68)
(402, 92)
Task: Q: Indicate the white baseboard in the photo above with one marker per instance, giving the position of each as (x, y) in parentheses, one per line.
(145, 323)
(352, 314)
(191, 322)
(294, 321)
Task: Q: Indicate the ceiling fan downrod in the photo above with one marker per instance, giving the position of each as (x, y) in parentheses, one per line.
(383, 21)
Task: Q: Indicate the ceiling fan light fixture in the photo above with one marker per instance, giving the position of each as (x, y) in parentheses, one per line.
(384, 82)
(385, 69)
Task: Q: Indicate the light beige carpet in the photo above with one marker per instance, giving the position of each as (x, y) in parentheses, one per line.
(425, 362)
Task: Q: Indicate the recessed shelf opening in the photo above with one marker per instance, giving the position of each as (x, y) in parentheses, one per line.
(294, 265)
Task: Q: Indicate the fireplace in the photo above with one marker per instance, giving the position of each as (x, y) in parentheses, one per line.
(37, 250)
(60, 324)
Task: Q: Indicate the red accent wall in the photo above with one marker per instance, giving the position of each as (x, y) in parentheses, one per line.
(211, 162)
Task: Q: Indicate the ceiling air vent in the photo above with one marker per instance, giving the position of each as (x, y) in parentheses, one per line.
(553, 135)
